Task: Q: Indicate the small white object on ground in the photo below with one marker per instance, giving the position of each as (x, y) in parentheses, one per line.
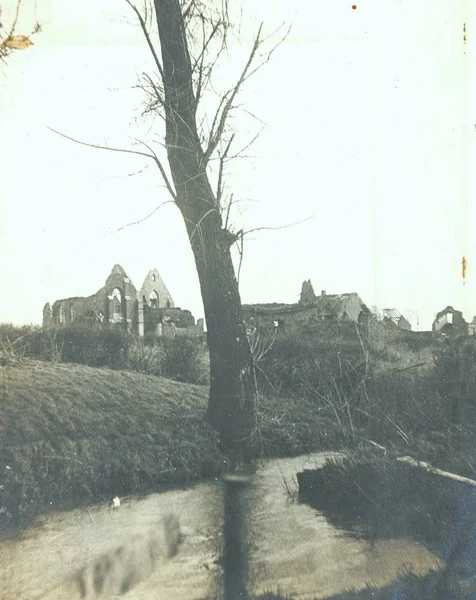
(116, 502)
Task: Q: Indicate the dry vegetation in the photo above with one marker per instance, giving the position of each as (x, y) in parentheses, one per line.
(74, 434)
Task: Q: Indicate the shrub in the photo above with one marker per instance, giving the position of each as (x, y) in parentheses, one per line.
(76, 344)
(145, 358)
(181, 358)
(17, 341)
(95, 348)
(379, 384)
(177, 358)
(310, 363)
(455, 369)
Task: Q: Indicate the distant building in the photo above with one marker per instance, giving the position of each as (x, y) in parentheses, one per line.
(326, 307)
(394, 318)
(450, 322)
(391, 317)
(118, 304)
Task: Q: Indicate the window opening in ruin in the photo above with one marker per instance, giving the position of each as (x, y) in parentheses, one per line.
(153, 299)
(116, 303)
(61, 314)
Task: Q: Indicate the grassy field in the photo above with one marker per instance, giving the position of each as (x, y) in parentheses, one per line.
(72, 434)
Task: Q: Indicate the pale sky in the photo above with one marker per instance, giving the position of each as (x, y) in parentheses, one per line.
(368, 136)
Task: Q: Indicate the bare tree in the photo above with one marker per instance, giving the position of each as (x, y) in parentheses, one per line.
(192, 37)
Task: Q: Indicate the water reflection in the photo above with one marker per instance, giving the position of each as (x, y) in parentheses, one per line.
(290, 548)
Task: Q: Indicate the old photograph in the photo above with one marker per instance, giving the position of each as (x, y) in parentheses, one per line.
(238, 302)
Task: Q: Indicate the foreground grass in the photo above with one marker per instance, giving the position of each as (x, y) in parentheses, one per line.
(72, 434)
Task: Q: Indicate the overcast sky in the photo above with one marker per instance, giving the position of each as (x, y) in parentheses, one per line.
(367, 137)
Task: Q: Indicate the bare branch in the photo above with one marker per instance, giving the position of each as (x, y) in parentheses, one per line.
(147, 37)
(248, 231)
(240, 154)
(197, 226)
(158, 92)
(133, 174)
(98, 146)
(199, 61)
(216, 117)
(216, 135)
(151, 214)
(152, 156)
(161, 169)
(220, 170)
(187, 11)
(14, 24)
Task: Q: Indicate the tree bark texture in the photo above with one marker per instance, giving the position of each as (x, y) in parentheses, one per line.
(231, 409)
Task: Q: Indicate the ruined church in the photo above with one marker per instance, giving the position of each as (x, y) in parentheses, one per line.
(118, 304)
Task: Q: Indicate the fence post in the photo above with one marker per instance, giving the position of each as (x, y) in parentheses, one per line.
(235, 543)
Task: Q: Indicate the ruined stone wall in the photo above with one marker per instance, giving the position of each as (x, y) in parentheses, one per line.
(118, 304)
(74, 310)
(170, 329)
(154, 291)
(353, 307)
(283, 316)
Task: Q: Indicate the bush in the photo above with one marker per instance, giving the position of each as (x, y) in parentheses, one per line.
(379, 385)
(145, 358)
(176, 358)
(455, 369)
(92, 347)
(17, 341)
(310, 363)
(181, 358)
(95, 348)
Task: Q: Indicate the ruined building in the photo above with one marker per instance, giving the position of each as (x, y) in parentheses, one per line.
(311, 308)
(118, 304)
(450, 322)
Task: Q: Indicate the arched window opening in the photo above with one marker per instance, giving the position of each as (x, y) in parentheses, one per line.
(71, 312)
(61, 314)
(116, 304)
(153, 299)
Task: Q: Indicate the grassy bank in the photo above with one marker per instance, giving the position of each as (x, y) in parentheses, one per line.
(72, 434)
(376, 497)
(382, 498)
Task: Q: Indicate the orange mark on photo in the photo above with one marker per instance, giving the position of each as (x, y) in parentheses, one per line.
(464, 266)
(464, 33)
(354, 6)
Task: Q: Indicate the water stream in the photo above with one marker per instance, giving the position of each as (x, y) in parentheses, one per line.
(292, 547)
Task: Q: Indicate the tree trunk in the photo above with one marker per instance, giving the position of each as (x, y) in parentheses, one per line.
(231, 409)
